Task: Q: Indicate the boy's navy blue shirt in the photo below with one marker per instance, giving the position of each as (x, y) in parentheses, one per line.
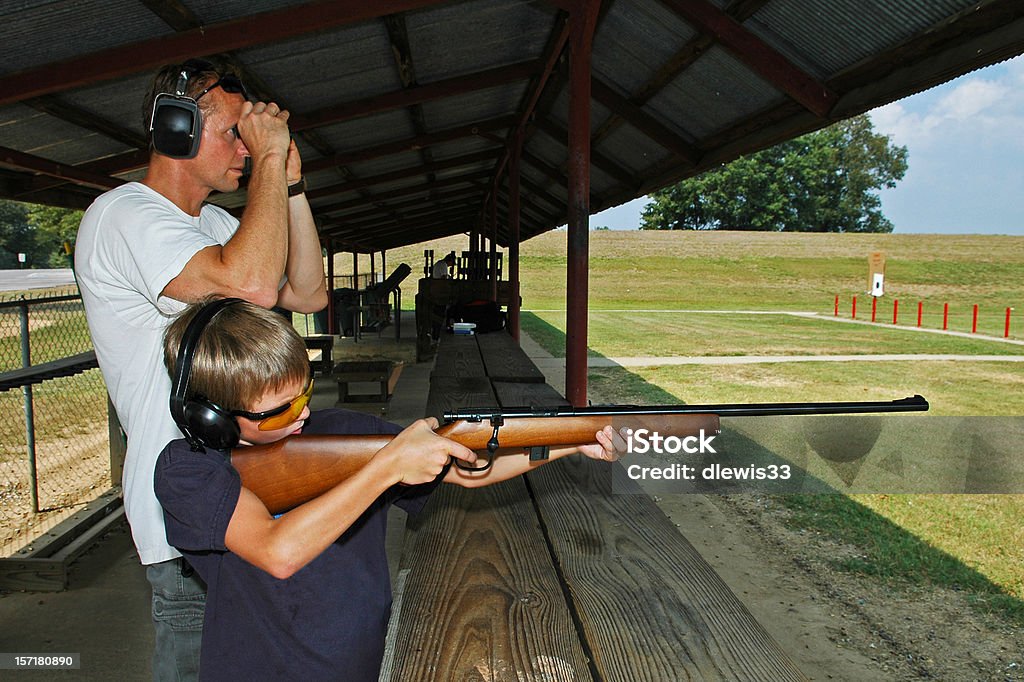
(328, 621)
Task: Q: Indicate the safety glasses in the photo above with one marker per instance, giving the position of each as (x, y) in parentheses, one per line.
(279, 417)
(227, 83)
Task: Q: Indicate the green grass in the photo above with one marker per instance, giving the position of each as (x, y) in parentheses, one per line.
(925, 555)
(666, 334)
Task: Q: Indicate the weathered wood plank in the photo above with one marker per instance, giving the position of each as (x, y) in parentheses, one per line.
(504, 360)
(451, 393)
(651, 608)
(520, 394)
(481, 600)
(458, 356)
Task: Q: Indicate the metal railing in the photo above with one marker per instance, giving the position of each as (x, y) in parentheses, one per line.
(55, 453)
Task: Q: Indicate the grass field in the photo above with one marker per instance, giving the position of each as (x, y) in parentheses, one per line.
(968, 542)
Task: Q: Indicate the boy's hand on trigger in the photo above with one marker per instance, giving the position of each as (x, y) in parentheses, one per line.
(418, 455)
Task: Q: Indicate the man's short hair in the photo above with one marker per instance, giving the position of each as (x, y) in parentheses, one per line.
(245, 352)
(201, 75)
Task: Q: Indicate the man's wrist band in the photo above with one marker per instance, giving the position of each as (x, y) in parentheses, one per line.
(298, 188)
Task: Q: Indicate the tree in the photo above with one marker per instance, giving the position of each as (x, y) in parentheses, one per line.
(39, 232)
(15, 234)
(54, 228)
(824, 181)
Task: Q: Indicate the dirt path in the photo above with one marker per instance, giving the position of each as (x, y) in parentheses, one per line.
(835, 625)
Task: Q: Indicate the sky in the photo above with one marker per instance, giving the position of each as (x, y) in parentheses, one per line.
(965, 142)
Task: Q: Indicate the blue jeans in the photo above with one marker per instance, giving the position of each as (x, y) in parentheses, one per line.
(179, 601)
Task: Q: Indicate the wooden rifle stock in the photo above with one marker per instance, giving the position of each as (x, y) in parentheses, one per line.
(294, 470)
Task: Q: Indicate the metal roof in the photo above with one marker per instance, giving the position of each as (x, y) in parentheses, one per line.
(403, 109)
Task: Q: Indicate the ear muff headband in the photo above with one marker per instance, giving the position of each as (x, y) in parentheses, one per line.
(176, 124)
(203, 423)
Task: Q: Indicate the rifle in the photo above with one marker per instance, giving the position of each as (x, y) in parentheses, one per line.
(294, 470)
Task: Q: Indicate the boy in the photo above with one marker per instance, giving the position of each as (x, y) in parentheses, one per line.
(305, 595)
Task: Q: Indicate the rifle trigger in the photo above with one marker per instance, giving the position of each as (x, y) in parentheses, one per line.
(497, 421)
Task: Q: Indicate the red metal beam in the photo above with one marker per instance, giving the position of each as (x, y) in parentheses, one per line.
(236, 34)
(36, 164)
(758, 55)
(582, 23)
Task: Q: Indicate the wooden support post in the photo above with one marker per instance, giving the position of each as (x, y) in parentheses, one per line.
(492, 225)
(513, 228)
(332, 327)
(582, 22)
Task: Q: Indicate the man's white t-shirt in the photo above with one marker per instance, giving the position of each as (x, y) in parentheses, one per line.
(440, 270)
(131, 243)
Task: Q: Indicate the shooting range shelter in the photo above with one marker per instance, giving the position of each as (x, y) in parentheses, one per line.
(499, 119)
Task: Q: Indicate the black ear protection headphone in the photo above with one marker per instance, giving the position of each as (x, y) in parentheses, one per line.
(176, 123)
(204, 423)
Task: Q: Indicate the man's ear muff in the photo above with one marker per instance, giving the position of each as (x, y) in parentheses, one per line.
(201, 421)
(176, 124)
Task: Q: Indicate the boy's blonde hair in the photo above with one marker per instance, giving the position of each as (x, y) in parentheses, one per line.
(245, 352)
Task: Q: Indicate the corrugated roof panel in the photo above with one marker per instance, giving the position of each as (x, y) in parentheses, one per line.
(84, 26)
(119, 102)
(826, 37)
(216, 11)
(560, 112)
(711, 95)
(464, 37)
(473, 106)
(385, 164)
(631, 149)
(368, 131)
(331, 68)
(33, 132)
(633, 40)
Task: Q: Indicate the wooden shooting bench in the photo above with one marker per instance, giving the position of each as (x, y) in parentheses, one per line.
(320, 348)
(552, 576)
(380, 375)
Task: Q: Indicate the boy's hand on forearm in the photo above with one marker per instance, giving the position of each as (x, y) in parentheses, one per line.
(418, 455)
(610, 446)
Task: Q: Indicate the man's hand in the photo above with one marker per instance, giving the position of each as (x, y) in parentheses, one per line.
(610, 446)
(263, 128)
(418, 455)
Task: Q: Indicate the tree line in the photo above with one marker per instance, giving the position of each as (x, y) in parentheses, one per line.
(825, 181)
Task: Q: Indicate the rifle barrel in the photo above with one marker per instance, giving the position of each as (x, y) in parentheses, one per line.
(914, 403)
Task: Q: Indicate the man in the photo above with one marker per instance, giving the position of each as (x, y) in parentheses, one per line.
(148, 248)
(442, 267)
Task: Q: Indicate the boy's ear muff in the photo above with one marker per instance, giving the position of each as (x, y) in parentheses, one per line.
(203, 423)
(176, 125)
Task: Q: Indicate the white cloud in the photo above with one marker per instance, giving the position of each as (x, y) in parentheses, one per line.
(983, 109)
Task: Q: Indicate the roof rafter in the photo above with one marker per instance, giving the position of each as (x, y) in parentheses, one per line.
(403, 173)
(410, 144)
(471, 178)
(758, 55)
(448, 87)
